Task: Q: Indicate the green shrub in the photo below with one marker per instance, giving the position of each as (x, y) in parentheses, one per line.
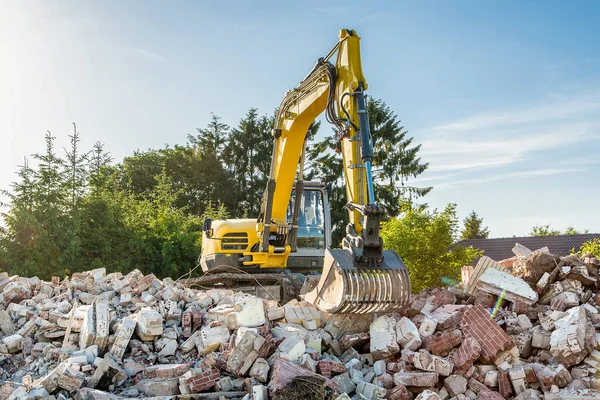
(424, 238)
(591, 246)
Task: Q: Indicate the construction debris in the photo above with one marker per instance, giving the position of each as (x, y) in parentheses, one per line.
(523, 328)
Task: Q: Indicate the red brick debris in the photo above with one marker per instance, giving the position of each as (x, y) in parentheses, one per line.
(527, 333)
(478, 324)
(204, 380)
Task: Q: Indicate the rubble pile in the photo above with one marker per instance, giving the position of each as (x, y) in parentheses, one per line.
(522, 328)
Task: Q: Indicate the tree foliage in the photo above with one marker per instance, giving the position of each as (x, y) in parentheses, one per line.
(423, 238)
(590, 247)
(543, 230)
(546, 230)
(75, 210)
(71, 213)
(473, 227)
(247, 156)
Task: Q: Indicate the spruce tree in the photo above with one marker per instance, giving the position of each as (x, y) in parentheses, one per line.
(76, 169)
(473, 228)
(396, 161)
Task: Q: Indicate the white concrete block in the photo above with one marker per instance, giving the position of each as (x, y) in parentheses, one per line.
(210, 339)
(253, 313)
(491, 378)
(260, 370)
(149, 324)
(427, 327)
(260, 392)
(428, 395)
(569, 334)
(383, 337)
(13, 343)
(407, 334)
(292, 349)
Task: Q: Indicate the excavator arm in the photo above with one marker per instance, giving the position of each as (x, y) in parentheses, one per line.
(361, 277)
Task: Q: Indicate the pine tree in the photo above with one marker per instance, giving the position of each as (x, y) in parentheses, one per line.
(19, 228)
(238, 157)
(247, 157)
(75, 169)
(37, 227)
(473, 227)
(211, 139)
(543, 230)
(99, 160)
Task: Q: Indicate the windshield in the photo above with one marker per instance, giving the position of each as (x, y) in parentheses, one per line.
(311, 224)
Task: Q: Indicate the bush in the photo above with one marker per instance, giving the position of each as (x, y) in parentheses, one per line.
(591, 246)
(424, 238)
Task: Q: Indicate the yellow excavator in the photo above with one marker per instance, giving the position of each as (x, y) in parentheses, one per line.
(293, 230)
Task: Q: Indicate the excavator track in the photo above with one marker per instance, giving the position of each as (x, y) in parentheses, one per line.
(229, 280)
(290, 283)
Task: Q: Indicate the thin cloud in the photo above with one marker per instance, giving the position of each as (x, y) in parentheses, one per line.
(520, 174)
(524, 115)
(558, 165)
(492, 139)
(337, 11)
(459, 154)
(149, 54)
(379, 16)
(511, 143)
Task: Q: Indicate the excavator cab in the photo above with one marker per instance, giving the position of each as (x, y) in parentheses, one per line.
(314, 228)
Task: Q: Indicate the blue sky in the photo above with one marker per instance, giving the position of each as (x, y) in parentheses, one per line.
(503, 96)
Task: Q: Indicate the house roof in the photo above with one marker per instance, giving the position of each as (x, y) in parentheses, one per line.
(501, 248)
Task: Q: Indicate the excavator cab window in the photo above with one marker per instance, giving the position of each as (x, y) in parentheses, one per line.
(311, 222)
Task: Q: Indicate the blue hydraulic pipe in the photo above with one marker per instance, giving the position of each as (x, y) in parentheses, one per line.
(365, 139)
(370, 183)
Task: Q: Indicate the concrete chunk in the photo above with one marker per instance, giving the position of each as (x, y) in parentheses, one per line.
(13, 343)
(455, 385)
(210, 339)
(428, 395)
(71, 379)
(102, 317)
(425, 361)
(7, 326)
(149, 324)
(260, 370)
(124, 332)
(383, 337)
(569, 334)
(260, 392)
(292, 349)
(420, 379)
(245, 353)
(369, 391)
(253, 313)
(512, 288)
(407, 334)
(427, 327)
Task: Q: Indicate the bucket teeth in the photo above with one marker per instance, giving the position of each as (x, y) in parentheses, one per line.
(346, 287)
(377, 291)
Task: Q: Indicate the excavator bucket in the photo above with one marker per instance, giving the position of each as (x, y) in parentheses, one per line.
(347, 287)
